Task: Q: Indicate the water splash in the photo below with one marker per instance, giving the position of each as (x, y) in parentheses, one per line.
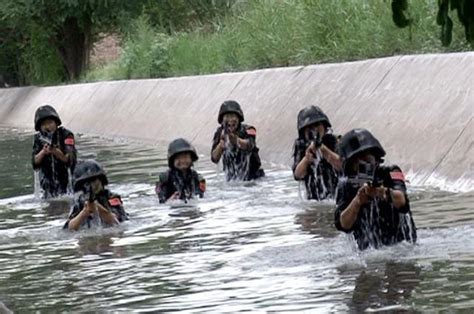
(236, 163)
(36, 185)
(407, 227)
(70, 188)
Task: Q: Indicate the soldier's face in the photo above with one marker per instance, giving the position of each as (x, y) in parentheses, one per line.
(48, 126)
(364, 157)
(368, 157)
(314, 129)
(183, 161)
(97, 186)
(231, 120)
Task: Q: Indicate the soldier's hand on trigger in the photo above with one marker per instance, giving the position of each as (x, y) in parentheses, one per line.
(364, 194)
(380, 192)
(175, 196)
(222, 140)
(233, 138)
(376, 192)
(89, 207)
(310, 153)
(47, 149)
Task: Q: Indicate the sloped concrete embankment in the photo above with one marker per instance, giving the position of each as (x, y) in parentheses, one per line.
(420, 107)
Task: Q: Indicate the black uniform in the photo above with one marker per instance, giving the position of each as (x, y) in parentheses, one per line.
(54, 174)
(321, 180)
(383, 226)
(111, 201)
(173, 180)
(240, 164)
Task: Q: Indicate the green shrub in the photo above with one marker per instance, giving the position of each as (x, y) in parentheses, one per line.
(268, 33)
(39, 62)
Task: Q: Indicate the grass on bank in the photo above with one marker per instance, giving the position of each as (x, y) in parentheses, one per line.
(268, 33)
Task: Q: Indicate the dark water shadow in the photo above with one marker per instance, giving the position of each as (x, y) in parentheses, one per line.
(385, 289)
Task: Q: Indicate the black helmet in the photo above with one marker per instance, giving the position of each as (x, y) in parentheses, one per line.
(86, 170)
(177, 146)
(357, 141)
(311, 115)
(230, 106)
(45, 112)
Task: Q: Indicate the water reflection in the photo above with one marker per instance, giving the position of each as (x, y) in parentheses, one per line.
(385, 288)
(57, 207)
(317, 219)
(100, 244)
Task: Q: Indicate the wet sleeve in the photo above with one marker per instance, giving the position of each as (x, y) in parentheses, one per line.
(215, 141)
(75, 210)
(202, 185)
(162, 189)
(70, 148)
(397, 179)
(342, 201)
(298, 154)
(251, 136)
(116, 206)
(37, 147)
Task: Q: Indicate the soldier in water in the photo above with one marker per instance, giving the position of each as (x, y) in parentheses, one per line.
(372, 201)
(315, 161)
(94, 204)
(180, 181)
(54, 152)
(235, 143)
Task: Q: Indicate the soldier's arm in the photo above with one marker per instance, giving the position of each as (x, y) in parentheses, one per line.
(70, 149)
(116, 206)
(68, 155)
(39, 152)
(202, 185)
(397, 193)
(243, 143)
(75, 223)
(398, 198)
(247, 143)
(162, 190)
(108, 217)
(333, 158)
(38, 158)
(217, 153)
(60, 155)
(217, 146)
(301, 169)
(350, 213)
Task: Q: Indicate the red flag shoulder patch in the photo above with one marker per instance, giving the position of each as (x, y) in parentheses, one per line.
(397, 175)
(251, 131)
(115, 201)
(202, 186)
(69, 141)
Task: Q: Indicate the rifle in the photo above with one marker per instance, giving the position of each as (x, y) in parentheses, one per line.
(88, 192)
(181, 188)
(367, 174)
(226, 128)
(315, 139)
(47, 138)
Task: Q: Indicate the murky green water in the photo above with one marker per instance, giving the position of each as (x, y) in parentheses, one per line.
(245, 247)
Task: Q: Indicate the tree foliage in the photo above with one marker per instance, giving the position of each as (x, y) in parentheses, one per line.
(49, 41)
(59, 32)
(54, 37)
(465, 13)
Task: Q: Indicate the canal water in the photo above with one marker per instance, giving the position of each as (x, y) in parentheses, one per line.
(254, 247)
